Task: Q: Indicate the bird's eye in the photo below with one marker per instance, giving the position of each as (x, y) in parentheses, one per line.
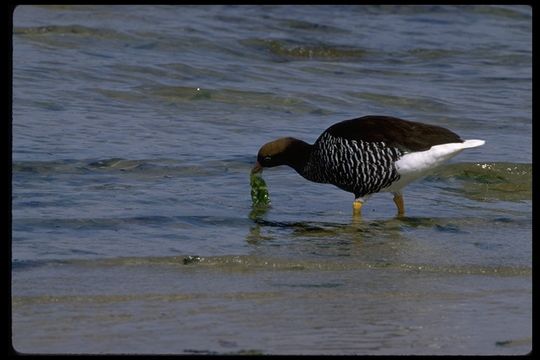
(267, 158)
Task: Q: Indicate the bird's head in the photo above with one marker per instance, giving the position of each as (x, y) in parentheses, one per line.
(283, 151)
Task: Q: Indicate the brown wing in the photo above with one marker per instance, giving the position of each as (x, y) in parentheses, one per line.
(405, 135)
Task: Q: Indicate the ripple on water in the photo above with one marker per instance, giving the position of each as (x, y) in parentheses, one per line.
(283, 50)
(490, 181)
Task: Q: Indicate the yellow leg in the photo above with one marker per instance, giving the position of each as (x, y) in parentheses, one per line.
(398, 200)
(357, 206)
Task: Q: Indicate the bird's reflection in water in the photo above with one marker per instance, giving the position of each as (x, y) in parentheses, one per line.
(257, 214)
(325, 234)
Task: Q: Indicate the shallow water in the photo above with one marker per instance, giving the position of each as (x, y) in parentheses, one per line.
(134, 131)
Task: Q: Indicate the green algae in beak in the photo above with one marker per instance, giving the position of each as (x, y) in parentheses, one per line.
(259, 191)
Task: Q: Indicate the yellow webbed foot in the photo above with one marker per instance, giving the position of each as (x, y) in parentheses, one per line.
(357, 207)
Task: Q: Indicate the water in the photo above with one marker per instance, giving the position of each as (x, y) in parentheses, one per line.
(134, 130)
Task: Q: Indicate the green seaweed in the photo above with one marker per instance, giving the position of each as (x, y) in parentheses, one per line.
(259, 191)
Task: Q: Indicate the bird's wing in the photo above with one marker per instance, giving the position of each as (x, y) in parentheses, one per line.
(408, 136)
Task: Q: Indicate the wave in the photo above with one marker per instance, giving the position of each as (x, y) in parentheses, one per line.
(261, 263)
(490, 181)
(162, 167)
(286, 50)
(478, 181)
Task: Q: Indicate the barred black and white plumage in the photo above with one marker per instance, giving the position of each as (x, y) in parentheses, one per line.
(355, 166)
(367, 155)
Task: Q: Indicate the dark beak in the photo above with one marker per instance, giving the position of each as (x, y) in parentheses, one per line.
(257, 168)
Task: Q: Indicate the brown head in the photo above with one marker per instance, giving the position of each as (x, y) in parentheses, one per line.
(283, 151)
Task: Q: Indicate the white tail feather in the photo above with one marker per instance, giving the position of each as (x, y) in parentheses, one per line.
(472, 143)
(417, 164)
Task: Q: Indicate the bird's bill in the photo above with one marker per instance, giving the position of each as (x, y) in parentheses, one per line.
(257, 168)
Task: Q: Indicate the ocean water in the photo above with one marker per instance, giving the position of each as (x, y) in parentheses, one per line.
(134, 130)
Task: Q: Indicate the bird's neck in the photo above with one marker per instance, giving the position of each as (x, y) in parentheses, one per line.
(298, 154)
